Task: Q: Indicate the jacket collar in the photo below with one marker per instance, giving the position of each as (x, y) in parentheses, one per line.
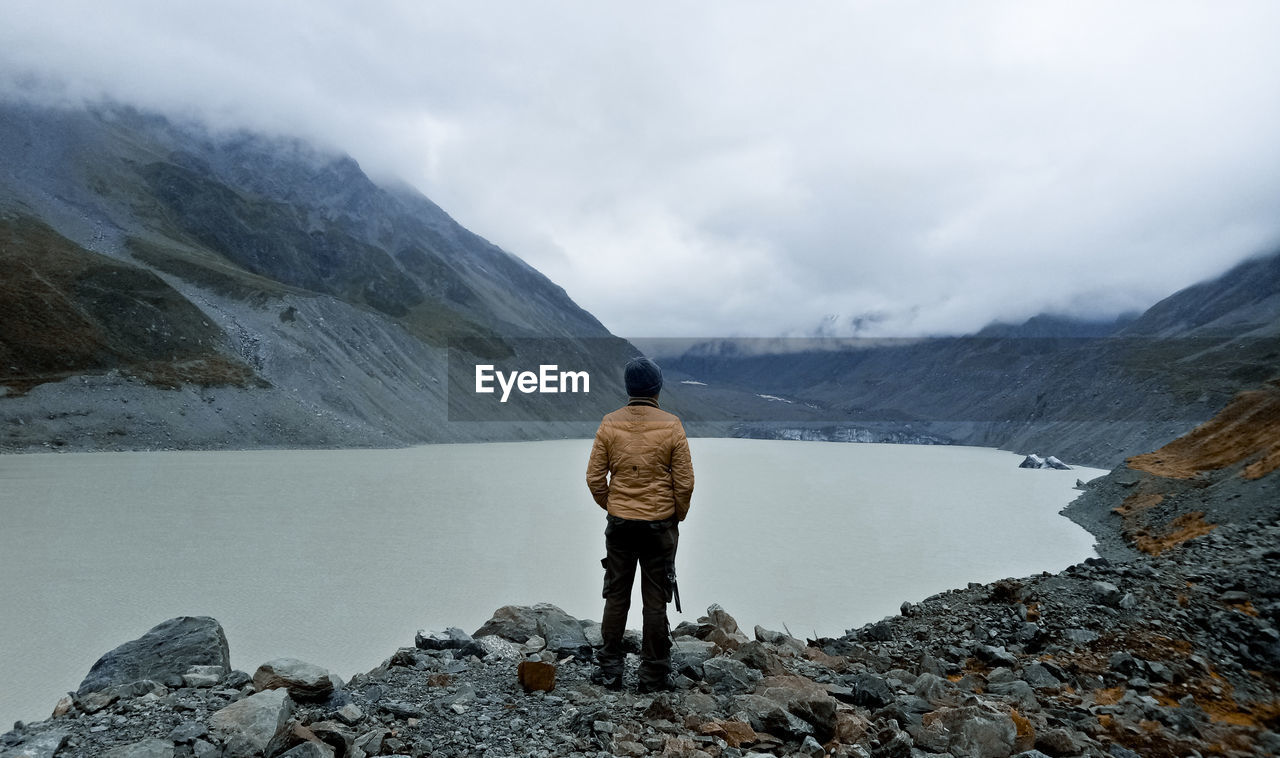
(653, 401)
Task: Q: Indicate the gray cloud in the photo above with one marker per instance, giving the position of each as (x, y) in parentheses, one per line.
(751, 168)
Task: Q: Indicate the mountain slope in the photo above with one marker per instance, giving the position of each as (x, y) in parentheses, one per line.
(187, 289)
(1088, 393)
(66, 311)
(1243, 301)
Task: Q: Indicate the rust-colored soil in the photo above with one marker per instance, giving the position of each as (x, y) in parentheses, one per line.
(1109, 696)
(1179, 530)
(1137, 503)
(1233, 724)
(1155, 539)
(1026, 732)
(1247, 430)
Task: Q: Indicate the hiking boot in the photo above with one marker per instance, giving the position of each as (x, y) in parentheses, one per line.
(607, 680)
(665, 684)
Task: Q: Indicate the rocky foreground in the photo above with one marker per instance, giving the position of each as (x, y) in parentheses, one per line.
(1167, 646)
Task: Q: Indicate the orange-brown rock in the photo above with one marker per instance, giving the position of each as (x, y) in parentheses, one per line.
(734, 733)
(536, 675)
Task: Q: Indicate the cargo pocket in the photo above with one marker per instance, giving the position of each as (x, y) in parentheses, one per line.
(604, 563)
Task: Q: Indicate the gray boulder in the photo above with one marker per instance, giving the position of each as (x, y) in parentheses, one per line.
(892, 742)
(1106, 593)
(1032, 461)
(452, 638)
(333, 734)
(203, 676)
(811, 748)
(758, 656)
(993, 655)
(309, 750)
(92, 702)
(304, 681)
(188, 732)
(152, 748)
(1018, 692)
(868, 691)
(785, 643)
(806, 700)
(968, 732)
(1060, 742)
(594, 633)
(727, 676)
(1080, 636)
(168, 650)
(349, 714)
(370, 743)
(935, 690)
(44, 745)
(766, 715)
(771, 637)
(881, 631)
(1040, 677)
(562, 632)
(688, 654)
(1124, 663)
(257, 725)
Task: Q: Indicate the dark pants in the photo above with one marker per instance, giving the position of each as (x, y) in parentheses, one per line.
(652, 546)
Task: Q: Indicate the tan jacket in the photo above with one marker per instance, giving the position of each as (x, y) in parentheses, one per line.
(640, 467)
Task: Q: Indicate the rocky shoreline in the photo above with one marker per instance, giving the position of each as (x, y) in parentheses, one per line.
(1166, 645)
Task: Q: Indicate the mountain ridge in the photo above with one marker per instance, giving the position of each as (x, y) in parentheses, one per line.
(1090, 393)
(331, 303)
(325, 308)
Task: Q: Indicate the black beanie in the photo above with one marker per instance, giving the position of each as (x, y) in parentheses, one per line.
(643, 378)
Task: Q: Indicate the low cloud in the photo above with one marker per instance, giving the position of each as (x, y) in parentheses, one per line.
(752, 168)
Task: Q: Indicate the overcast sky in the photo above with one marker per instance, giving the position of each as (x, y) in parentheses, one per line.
(733, 168)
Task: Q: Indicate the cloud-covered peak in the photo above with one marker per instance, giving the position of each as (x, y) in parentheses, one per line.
(752, 168)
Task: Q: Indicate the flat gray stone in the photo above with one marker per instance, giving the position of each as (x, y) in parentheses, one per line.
(40, 746)
(1080, 636)
(191, 679)
(350, 714)
(153, 748)
(1040, 677)
(309, 750)
(188, 731)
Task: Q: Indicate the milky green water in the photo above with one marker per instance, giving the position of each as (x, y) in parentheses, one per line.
(338, 557)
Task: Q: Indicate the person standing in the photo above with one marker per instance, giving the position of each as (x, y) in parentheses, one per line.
(641, 474)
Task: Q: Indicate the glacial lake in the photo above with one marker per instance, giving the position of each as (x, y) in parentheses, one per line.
(338, 557)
